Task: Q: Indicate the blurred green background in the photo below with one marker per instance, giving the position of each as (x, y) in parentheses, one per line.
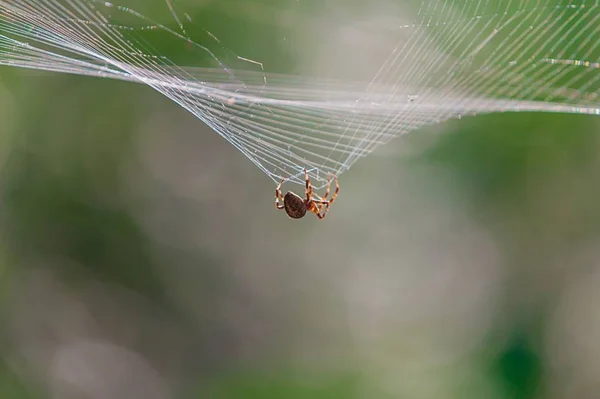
(142, 257)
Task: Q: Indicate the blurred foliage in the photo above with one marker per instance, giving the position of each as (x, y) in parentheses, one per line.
(495, 155)
(282, 384)
(11, 386)
(62, 194)
(519, 370)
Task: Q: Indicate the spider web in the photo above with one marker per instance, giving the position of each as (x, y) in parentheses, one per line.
(451, 58)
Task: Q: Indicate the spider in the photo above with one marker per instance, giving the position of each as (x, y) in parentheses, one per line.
(296, 207)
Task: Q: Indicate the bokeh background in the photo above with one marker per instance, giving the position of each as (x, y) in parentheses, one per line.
(141, 255)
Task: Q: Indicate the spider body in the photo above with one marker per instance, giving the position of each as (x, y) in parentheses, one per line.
(296, 207)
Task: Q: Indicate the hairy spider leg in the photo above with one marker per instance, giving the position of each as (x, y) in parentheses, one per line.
(321, 201)
(312, 207)
(309, 188)
(312, 203)
(327, 203)
(337, 190)
(326, 193)
(333, 197)
(328, 187)
(316, 205)
(278, 196)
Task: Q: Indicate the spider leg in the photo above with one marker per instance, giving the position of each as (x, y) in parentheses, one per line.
(319, 200)
(314, 208)
(318, 203)
(279, 196)
(322, 212)
(309, 188)
(337, 190)
(318, 197)
(312, 193)
(333, 197)
(325, 197)
(328, 187)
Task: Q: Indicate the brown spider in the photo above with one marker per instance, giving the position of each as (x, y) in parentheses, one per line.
(296, 207)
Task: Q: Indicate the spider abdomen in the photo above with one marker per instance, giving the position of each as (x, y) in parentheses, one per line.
(294, 205)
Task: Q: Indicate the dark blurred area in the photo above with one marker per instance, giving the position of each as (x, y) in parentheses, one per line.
(142, 257)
